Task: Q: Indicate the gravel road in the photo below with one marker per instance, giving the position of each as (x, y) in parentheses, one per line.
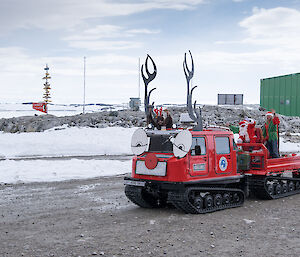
(93, 218)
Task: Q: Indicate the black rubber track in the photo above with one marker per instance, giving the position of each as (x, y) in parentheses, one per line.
(139, 196)
(259, 186)
(182, 202)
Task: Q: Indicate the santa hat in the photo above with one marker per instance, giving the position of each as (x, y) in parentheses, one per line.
(251, 121)
(243, 122)
(158, 112)
(269, 114)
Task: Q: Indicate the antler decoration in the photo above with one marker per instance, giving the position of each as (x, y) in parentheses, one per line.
(147, 80)
(193, 113)
(151, 76)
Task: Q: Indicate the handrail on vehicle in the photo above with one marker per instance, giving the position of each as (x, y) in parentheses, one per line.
(255, 150)
(261, 146)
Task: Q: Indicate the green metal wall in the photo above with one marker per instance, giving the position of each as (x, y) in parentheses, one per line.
(281, 94)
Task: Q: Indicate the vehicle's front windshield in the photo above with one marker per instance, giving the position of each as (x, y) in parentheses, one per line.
(160, 143)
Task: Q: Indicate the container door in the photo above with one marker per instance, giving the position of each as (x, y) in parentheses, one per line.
(224, 162)
(198, 158)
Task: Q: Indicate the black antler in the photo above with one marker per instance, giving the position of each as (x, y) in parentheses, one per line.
(151, 76)
(193, 113)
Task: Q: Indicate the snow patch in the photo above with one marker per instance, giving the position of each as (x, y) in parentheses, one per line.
(49, 171)
(248, 221)
(67, 142)
(152, 222)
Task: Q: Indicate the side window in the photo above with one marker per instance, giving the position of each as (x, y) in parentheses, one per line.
(198, 141)
(222, 145)
(234, 145)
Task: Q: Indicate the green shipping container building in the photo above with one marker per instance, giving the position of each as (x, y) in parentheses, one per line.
(282, 94)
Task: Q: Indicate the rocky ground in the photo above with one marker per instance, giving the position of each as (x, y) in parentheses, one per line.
(212, 115)
(94, 218)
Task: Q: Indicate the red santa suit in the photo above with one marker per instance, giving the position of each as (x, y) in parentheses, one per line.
(251, 131)
(243, 132)
(247, 131)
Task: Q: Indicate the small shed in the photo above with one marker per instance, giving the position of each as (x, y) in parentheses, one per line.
(135, 103)
(230, 99)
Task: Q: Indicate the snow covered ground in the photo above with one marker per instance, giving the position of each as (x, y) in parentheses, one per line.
(71, 142)
(289, 146)
(62, 143)
(67, 142)
(44, 170)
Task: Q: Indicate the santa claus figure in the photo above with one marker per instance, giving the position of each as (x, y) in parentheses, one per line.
(251, 130)
(247, 131)
(243, 133)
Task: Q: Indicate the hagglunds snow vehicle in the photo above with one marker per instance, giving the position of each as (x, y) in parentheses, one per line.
(200, 170)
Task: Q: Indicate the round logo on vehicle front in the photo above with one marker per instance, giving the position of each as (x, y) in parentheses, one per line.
(223, 163)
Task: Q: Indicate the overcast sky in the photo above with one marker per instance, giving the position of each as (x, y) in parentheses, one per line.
(234, 43)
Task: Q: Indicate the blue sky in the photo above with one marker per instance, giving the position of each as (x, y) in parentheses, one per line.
(234, 43)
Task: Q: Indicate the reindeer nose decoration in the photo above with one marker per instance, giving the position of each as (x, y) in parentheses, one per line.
(151, 161)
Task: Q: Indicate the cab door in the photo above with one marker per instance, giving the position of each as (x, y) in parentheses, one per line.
(223, 159)
(198, 159)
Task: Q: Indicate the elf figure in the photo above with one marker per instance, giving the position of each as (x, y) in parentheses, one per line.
(159, 118)
(270, 133)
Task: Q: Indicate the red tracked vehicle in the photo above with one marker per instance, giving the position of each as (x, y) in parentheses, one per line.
(202, 170)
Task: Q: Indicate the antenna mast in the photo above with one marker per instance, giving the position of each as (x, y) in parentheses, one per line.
(83, 108)
(139, 76)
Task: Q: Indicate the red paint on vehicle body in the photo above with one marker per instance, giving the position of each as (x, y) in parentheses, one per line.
(214, 165)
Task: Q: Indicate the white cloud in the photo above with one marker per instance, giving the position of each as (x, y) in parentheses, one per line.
(142, 31)
(268, 46)
(100, 31)
(111, 31)
(275, 33)
(277, 27)
(272, 21)
(62, 14)
(111, 77)
(105, 45)
(16, 62)
(104, 31)
(21, 76)
(106, 37)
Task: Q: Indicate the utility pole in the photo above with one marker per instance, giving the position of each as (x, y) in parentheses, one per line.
(84, 60)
